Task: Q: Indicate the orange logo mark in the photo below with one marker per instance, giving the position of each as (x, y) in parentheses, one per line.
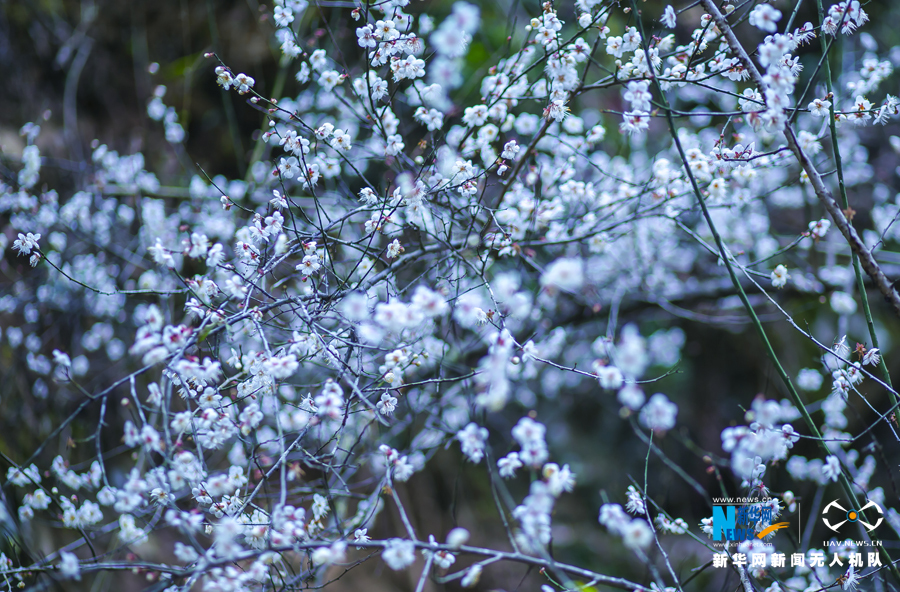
(772, 529)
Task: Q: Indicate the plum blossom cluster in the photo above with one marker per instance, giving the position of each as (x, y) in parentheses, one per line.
(424, 262)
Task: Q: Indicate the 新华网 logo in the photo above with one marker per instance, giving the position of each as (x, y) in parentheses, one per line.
(741, 522)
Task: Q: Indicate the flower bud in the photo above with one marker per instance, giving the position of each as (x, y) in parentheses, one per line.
(457, 537)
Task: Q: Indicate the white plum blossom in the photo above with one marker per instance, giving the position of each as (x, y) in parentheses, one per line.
(434, 235)
(509, 464)
(564, 274)
(69, 566)
(610, 377)
(659, 413)
(843, 303)
(831, 470)
(820, 228)
(631, 396)
(780, 276)
(637, 534)
(472, 439)
(819, 107)
(387, 404)
(765, 17)
(872, 357)
(399, 553)
(287, 167)
(366, 37)
(668, 17)
(26, 243)
(809, 379)
(284, 16)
